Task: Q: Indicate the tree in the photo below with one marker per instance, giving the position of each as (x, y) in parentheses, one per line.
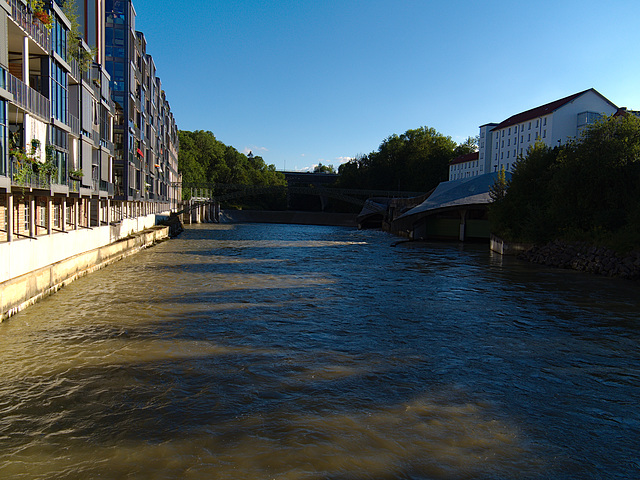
(417, 160)
(320, 168)
(587, 190)
(202, 159)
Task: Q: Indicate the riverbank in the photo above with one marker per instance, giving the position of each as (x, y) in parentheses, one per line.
(288, 217)
(21, 291)
(585, 257)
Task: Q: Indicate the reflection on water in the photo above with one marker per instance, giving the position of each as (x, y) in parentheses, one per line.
(295, 352)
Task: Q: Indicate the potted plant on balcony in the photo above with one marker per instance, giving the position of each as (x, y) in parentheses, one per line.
(76, 175)
(37, 6)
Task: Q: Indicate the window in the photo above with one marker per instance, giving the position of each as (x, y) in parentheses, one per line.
(529, 125)
(59, 37)
(507, 166)
(509, 131)
(508, 142)
(502, 144)
(27, 216)
(56, 215)
(529, 138)
(501, 155)
(521, 138)
(537, 122)
(544, 133)
(503, 133)
(544, 121)
(58, 92)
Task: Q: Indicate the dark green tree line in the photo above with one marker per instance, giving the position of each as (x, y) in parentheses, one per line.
(417, 161)
(203, 159)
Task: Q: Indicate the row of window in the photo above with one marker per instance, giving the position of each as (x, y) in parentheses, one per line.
(537, 137)
(461, 166)
(522, 127)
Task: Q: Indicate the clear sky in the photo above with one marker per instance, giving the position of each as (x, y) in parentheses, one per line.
(308, 81)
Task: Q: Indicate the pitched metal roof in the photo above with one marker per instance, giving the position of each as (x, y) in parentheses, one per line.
(458, 193)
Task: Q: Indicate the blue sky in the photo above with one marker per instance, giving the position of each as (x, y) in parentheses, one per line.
(308, 81)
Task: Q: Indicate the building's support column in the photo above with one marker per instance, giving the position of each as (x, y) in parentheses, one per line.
(463, 224)
(49, 216)
(33, 230)
(108, 219)
(76, 214)
(9, 217)
(64, 214)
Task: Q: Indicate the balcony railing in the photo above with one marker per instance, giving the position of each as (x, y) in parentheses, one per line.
(25, 174)
(34, 27)
(106, 187)
(74, 123)
(27, 98)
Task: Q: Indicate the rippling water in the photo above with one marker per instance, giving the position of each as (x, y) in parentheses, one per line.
(296, 352)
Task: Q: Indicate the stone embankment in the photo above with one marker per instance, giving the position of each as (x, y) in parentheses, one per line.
(586, 258)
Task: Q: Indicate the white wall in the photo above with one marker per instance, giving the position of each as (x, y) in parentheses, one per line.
(26, 255)
(565, 119)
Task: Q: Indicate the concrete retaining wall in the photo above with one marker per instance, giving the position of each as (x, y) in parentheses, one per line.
(20, 291)
(27, 255)
(496, 244)
(290, 217)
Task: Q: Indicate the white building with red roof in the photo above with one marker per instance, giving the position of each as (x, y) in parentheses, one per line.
(465, 166)
(555, 123)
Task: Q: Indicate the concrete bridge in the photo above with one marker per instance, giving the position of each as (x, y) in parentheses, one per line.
(205, 199)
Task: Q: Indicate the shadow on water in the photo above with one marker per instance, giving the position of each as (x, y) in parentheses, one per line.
(348, 361)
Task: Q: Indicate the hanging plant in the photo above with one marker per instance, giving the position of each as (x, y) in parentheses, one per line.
(38, 9)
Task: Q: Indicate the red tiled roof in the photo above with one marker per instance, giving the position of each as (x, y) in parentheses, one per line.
(469, 157)
(544, 110)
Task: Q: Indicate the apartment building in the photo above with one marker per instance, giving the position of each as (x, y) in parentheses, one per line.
(554, 124)
(60, 170)
(145, 131)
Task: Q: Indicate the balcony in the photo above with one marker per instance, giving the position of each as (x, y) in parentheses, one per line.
(106, 187)
(28, 99)
(25, 174)
(36, 29)
(74, 123)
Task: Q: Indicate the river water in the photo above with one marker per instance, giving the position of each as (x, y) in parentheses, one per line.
(303, 352)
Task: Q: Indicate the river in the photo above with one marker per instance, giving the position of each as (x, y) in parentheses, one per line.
(257, 351)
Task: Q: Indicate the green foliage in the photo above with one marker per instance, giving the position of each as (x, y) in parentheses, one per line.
(320, 168)
(587, 190)
(74, 38)
(417, 160)
(27, 167)
(205, 160)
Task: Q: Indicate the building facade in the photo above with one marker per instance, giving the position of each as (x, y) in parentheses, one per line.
(145, 132)
(60, 169)
(465, 166)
